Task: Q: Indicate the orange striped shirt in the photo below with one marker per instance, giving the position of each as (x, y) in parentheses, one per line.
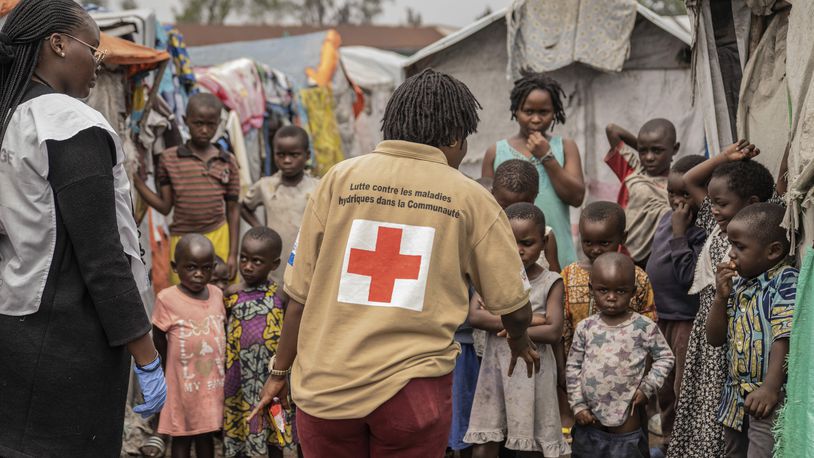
(200, 189)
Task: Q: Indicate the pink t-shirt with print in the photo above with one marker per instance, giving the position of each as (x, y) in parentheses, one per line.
(195, 358)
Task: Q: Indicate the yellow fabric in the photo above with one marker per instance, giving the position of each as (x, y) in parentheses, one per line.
(327, 143)
(219, 238)
(357, 352)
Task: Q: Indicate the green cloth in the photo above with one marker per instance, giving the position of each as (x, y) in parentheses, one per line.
(794, 430)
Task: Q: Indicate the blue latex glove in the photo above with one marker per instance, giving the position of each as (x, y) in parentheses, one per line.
(153, 387)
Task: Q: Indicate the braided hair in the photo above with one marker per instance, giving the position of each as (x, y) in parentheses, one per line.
(431, 108)
(21, 38)
(531, 81)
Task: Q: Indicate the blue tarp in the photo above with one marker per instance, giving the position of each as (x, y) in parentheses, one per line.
(290, 55)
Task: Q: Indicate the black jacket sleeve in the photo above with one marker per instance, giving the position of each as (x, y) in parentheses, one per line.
(81, 175)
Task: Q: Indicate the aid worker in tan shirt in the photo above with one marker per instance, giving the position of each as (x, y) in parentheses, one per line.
(378, 282)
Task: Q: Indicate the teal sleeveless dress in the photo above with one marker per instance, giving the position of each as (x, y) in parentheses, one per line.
(555, 210)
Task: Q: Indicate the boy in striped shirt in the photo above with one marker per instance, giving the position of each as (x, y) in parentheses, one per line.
(199, 182)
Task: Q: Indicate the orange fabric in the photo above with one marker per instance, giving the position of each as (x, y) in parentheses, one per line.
(124, 52)
(7, 5)
(160, 248)
(329, 59)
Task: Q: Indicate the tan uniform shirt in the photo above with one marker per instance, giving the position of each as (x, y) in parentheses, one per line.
(284, 206)
(381, 263)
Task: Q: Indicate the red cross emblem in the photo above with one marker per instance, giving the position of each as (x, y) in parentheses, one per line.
(385, 265)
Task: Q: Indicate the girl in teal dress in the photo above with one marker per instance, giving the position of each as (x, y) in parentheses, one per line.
(537, 105)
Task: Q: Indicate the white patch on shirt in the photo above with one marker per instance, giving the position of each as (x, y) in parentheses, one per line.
(386, 265)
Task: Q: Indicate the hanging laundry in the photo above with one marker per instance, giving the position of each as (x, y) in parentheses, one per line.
(238, 85)
(545, 35)
(327, 143)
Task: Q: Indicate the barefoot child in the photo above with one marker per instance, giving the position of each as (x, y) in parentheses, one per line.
(642, 164)
(199, 183)
(284, 194)
(519, 410)
(602, 230)
(753, 319)
(608, 380)
(537, 105)
(676, 247)
(255, 308)
(734, 182)
(188, 329)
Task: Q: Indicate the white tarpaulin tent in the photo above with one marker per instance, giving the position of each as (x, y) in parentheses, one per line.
(377, 73)
(655, 82)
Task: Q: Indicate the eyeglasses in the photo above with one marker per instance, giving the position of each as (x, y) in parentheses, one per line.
(98, 54)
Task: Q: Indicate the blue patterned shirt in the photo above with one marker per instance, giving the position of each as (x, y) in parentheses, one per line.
(759, 312)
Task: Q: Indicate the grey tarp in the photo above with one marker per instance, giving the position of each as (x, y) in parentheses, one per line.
(654, 82)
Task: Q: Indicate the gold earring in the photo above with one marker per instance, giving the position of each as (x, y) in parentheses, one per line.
(454, 144)
(62, 54)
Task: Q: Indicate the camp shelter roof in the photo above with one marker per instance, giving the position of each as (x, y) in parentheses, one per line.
(139, 24)
(290, 55)
(371, 67)
(402, 39)
(120, 51)
(124, 52)
(678, 27)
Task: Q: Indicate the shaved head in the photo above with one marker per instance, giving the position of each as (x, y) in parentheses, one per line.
(615, 266)
(194, 243)
(660, 127)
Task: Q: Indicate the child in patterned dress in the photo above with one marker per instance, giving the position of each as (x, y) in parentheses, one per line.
(255, 319)
(608, 380)
(521, 410)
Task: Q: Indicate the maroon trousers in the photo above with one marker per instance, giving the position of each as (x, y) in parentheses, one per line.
(412, 424)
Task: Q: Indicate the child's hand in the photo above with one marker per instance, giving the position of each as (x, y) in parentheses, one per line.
(538, 145)
(585, 417)
(761, 402)
(740, 151)
(723, 279)
(639, 399)
(682, 218)
(538, 319)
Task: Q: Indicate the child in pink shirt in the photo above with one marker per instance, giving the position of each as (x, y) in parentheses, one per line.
(188, 329)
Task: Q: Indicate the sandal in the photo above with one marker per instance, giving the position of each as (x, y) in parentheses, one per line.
(153, 447)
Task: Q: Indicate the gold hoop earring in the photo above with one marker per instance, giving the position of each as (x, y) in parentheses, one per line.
(454, 144)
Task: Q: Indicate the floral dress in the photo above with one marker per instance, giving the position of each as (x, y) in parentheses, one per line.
(253, 332)
(697, 432)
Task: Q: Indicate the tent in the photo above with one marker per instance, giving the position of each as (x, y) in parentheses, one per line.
(377, 73)
(654, 82)
(312, 64)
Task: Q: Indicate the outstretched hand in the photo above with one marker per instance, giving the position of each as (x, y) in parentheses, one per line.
(740, 151)
(523, 348)
(275, 388)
